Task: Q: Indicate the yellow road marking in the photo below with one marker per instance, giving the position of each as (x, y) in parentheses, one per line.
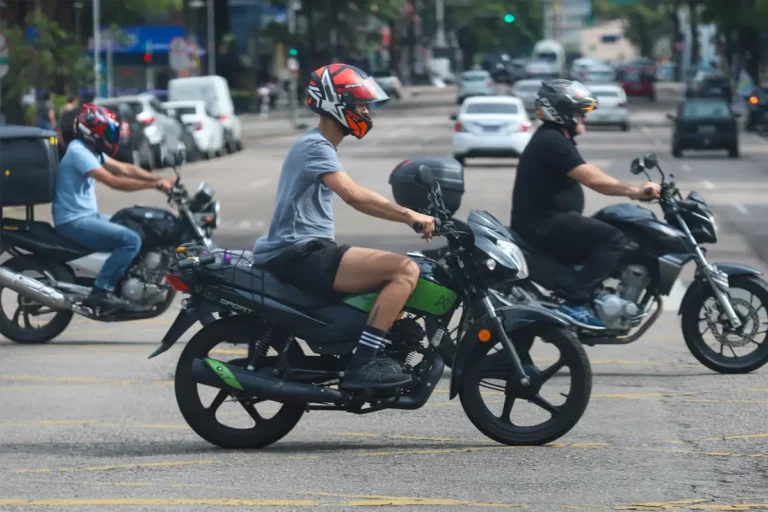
(739, 436)
(364, 500)
(157, 501)
(122, 466)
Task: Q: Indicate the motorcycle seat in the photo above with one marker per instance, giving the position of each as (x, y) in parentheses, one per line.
(244, 274)
(41, 238)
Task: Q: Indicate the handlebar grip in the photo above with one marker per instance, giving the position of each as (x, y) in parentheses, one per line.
(205, 260)
(185, 264)
(196, 262)
(648, 190)
(417, 227)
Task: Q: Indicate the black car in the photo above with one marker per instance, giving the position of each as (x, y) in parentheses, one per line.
(705, 123)
(710, 83)
(757, 109)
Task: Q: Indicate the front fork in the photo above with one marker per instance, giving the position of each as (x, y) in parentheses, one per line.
(718, 280)
(509, 348)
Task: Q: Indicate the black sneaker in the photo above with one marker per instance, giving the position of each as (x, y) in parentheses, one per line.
(373, 374)
(106, 301)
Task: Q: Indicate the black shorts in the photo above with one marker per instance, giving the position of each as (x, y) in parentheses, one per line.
(310, 267)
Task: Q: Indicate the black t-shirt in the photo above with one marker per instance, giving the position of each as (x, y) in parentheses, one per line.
(542, 185)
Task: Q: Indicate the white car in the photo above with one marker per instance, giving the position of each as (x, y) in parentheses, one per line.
(476, 82)
(389, 83)
(599, 74)
(207, 131)
(612, 106)
(495, 126)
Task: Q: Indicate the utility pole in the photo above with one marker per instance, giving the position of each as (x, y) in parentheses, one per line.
(97, 47)
(440, 22)
(292, 8)
(211, 40)
(110, 69)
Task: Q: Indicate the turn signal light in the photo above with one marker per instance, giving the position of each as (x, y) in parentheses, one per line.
(623, 105)
(525, 126)
(458, 127)
(754, 100)
(484, 335)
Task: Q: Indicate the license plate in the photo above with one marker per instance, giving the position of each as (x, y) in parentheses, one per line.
(707, 129)
(492, 128)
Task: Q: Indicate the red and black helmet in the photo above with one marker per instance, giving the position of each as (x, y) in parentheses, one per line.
(336, 89)
(98, 127)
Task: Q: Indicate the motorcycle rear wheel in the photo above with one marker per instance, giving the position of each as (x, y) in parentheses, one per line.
(501, 429)
(201, 419)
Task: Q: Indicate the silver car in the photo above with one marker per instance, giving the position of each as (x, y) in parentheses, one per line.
(475, 83)
(612, 107)
(526, 90)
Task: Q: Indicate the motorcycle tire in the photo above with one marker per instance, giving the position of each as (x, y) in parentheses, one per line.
(703, 352)
(198, 416)
(58, 323)
(570, 412)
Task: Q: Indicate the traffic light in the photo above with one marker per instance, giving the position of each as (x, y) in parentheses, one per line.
(293, 52)
(147, 58)
(509, 18)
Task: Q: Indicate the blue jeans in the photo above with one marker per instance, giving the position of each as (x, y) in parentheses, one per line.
(97, 233)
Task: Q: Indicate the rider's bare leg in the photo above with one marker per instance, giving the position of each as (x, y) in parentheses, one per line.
(364, 270)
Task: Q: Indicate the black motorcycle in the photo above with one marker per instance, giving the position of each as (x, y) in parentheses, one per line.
(267, 316)
(653, 258)
(66, 271)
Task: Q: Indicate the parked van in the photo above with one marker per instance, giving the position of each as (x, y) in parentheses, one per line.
(551, 51)
(214, 91)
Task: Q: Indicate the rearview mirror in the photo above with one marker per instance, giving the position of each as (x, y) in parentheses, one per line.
(424, 177)
(650, 161)
(179, 157)
(454, 117)
(636, 167)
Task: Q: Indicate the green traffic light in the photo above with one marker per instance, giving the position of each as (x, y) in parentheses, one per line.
(508, 18)
(293, 52)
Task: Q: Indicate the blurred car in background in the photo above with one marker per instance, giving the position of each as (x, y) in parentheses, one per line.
(163, 132)
(612, 106)
(517, 67)
(599, 73)
(579, 68)
(757, 109)
(475, 82)
(389, 83)
(207, 131)
(542, 70)
(495, 126)
(709, 83)
(637, 80)
(526, 90)
(705, 123)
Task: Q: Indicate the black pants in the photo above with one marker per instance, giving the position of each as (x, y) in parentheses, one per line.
(572, 239)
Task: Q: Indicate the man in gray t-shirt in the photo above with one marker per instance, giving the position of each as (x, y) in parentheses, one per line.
(300, 248)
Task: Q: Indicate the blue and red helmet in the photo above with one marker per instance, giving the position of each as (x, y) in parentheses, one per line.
(98, 127)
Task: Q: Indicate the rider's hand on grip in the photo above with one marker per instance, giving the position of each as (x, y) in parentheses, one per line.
(423, 224)
(649, 191)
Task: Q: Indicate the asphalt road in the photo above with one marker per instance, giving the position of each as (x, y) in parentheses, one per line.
(90, 424)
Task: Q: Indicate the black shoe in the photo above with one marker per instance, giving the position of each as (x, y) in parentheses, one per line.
(106, 301)
(373, 374)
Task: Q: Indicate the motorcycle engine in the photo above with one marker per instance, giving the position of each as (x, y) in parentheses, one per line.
(144, 284)
(619, 311)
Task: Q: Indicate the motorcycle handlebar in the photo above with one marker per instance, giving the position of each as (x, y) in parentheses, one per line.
(196, 262)
(417, 227)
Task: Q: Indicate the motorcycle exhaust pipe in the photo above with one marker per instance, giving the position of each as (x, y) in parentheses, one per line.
(221, 375)
(34, 290)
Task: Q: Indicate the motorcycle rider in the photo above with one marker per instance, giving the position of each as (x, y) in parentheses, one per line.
(548, 199)
(75, 210)
(300, 248)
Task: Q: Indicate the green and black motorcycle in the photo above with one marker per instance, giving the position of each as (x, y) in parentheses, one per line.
(268, 317)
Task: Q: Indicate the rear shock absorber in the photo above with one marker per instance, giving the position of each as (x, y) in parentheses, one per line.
(259, 349)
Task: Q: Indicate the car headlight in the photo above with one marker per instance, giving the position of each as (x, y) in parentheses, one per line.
(516, 255)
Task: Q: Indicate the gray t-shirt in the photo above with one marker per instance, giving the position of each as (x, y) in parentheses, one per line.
(304, 204)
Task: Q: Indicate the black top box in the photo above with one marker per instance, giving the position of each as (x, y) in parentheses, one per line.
(446, 171)
(29, 158)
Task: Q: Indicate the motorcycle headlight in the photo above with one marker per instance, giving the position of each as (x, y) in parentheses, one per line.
(514, 253)
(202, 197)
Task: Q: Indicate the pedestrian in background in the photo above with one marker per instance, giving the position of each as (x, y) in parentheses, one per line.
(46, 116)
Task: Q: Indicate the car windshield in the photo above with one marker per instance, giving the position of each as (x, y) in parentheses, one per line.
(124, 108)
(715, 80)
(475, 77)
(701, 109)
(492, 108)
(548, 56)
(606, 94)
(183, 110)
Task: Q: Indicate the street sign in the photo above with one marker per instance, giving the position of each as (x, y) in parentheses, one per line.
(178, 54)
(3, 55)
(293, 64)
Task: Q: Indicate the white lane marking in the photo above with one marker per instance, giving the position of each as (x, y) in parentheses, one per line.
(244, 224)
(685, 167)
(260, 183)
(741, 208)
(707, 184)
(645, 130)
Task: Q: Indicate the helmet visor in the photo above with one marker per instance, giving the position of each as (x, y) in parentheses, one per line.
(585, 101)
(112, 132)
(367, 91)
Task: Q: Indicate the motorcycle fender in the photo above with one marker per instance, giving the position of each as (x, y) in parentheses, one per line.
(202, 312)
(730, 269)
(513, 318)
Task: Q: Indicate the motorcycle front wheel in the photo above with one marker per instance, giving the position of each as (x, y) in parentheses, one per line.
(488, 362)
(731, 352)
